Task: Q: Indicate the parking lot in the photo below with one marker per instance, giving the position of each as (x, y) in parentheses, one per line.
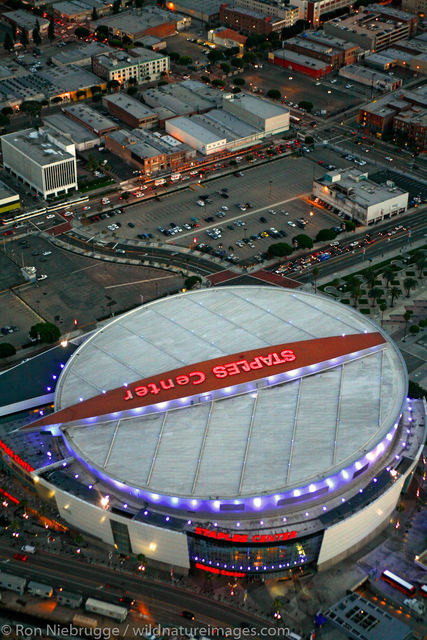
(75, 286)
(278, 186)
(414, 187)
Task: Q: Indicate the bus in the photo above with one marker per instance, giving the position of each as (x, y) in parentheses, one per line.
(398, 583)
(294, 119)
(423, 590)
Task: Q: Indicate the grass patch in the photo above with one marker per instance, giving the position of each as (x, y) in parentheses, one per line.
(345, 301)
(363, 300)
(365, 312)
(94, 184)
(395, 282)
(410, 273)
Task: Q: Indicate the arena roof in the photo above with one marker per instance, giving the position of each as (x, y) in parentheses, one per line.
(271, 437)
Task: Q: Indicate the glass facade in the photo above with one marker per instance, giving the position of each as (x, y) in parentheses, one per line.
(255, 558)
(121, 536)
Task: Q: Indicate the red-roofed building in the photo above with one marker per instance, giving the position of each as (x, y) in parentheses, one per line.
(227, 37)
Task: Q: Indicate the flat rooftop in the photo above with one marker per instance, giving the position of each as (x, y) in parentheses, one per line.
(260, 106)
(134, 107)
(361, 619)
(123, 59)
(321, 36)
(364, 72)
(183, 97)
(37, 146)
(89, 117)
(300, 58)
(367, 23)
(324, 48)
(68, 78)
(6, 192)
(25, 19)
(80, 53)
(198, 129)
(70, 128)
(136, 21)
(356, 185)
(210, 7)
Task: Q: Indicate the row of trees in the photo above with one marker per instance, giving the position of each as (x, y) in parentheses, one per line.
(44, 332)
(9, 40)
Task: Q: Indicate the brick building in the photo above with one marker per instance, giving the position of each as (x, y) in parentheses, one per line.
(250, 22)
(132, 111)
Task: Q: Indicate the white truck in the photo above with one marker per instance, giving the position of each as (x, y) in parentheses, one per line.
(28, 548)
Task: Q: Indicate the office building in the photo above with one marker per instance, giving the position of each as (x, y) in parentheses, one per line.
(409, 128)
(373, 28)
(80, 10)
(313, 10)
(378, 116)
(131, 111)
(80, 136)
(140, 64)
(80, 54)
(43, 160)
(352, 193)
(349, 52)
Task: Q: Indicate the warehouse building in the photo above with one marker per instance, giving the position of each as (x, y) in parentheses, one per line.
(298, 62)
(135, 24)
(227, 38)
(91, 119)
(317, 50)
(80, 54)
(142, 65)
(136, 114)
(349, 51)
(378, 116)
(184, 98)
(250, 22)
(370, 78)
(242, 120)
(42, 159)
(79, 10)
(206, 11)
(80, 136)
(21, 19)
(351, 191)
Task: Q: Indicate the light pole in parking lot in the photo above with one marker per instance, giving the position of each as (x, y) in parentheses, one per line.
(270, 183)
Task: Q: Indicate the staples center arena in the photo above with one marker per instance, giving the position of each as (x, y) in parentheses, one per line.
(238, 430)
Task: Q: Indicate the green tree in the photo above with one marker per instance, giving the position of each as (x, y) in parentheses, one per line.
(192, 281)
(279, 249)
(94, 14)
(95, 89)
(394, 294)
(23, 37)
(8, 41)
(116, 6)
(350, 225)
(132, 91)
(174, 56)
(225, 67)
(51, 30)
(370, 276)
(408, 284)
(56, 100)
(237, 62)
(7, 111)
(4, 120)
(82, 33)
(354, 285)
(420, 261)
(37, 37)
(274, 94)
(414, 328)
(133, 81)
(32, 107)
(232, 52)
(45, 332)
(215, 56)
(416, 391)
(236, 90)
(113, 85)
(309, 140)
(218, 83)
(81, 94)
(249, 57)
(304, 241)
(326, 234)
(185, 60)
(305, 104)
(7, 350)
(139, 4)
(239, 82)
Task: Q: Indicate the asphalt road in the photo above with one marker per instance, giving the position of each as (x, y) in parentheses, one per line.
(158, 602)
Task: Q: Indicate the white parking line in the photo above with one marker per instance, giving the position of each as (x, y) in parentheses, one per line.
(226, 220)
(127, 284)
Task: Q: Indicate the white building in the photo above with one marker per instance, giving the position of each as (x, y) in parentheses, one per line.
(350, 191)
(142, 64)
(42, 159)
(190, 131)
(269, 117)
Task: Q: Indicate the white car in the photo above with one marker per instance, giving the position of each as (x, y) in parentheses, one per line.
(389, 159)
(86, 208)
(43, 276)
(50, 216)
(224, 207)
(68, 213)
(201, 203)
(272, 211)
(46, 253)
(139, 195)
(291, 223)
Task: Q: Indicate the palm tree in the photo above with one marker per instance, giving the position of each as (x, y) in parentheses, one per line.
(406, 316)
(315, 273)
(370, 276)
(356, 290)
(375, 294)
(408, 284)
(394, 293)
(388, 275)
(420, 261)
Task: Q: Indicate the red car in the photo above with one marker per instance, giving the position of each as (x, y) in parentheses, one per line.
(21, 557)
